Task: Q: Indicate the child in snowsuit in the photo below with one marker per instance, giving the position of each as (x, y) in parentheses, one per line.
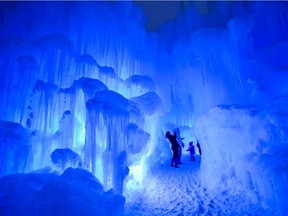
(174, 147)
(191, 149)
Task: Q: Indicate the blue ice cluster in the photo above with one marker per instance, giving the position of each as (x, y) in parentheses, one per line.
(89, 88)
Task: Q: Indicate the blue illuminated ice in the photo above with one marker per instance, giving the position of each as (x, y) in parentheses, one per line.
(138, 85)
(89, 86)
(15, 148)
(51, 194)
(64, 158)
(149, 103)
(88, 91)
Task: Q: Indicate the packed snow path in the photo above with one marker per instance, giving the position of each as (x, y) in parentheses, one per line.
(180, 191)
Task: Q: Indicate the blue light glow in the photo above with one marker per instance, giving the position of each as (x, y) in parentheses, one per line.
(99, 83)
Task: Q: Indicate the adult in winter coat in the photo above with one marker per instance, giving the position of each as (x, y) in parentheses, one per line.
(176, 132)
(199, 148)
(174, 147)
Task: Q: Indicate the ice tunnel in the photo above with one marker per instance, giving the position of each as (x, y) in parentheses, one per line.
(89, 88)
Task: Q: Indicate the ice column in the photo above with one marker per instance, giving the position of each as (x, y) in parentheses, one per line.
(106, 137)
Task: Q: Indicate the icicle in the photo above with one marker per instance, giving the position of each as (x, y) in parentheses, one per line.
(107, 119)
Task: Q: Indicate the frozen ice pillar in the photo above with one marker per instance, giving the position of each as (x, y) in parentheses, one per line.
(106, 138)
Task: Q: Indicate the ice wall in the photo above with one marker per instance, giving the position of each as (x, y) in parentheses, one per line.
(240, 141)
(57, 61)
(247, 145)
(56, 66)
(234, 67)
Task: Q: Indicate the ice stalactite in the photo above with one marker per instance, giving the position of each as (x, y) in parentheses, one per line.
(43, 106)
(57, 115)
(66, 132)
(56, 59)
(73, 99)
(19, 69)
(87, 66)
(150, 105)
(106, 137)
(181, 110)
(224, 78)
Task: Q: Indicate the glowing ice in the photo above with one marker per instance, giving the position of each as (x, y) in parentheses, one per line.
(72, 82)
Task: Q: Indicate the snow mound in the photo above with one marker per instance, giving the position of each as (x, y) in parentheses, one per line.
(247, 145)
(15, 149)
(75, 192)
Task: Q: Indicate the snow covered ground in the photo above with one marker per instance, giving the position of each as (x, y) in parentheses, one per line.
(171, 191)
(165, 191)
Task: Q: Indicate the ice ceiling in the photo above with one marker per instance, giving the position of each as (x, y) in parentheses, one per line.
(106, 81)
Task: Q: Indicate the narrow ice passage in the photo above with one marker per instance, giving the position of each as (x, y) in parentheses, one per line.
(171, 191)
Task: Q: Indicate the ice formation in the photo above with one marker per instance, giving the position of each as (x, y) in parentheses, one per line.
(51, 194)
(86, 83)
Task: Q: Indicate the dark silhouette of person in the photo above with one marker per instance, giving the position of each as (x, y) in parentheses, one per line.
(191, 149)
(174, 147)
(199, 147)
(180, 143)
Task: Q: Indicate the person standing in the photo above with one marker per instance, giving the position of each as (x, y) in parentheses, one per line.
(180, 143)
(191, 149)
(174, 147)
(199, 147)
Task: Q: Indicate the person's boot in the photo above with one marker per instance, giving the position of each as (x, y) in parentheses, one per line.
(176, 165)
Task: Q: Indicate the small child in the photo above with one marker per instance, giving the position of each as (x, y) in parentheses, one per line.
(191, 149)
